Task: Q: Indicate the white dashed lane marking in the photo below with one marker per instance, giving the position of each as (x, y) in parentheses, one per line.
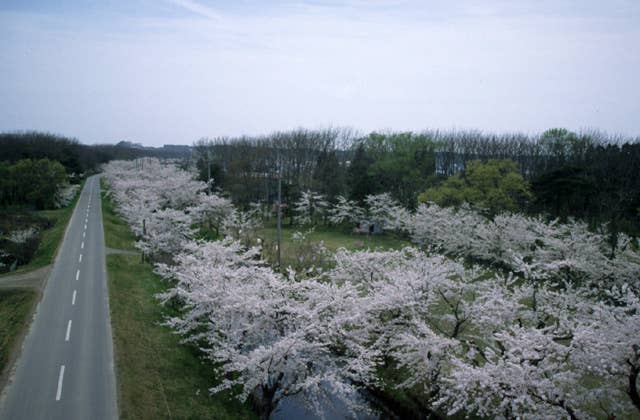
(60, 379)
(68, 334)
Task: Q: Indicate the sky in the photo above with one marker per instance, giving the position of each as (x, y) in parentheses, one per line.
(174, 71)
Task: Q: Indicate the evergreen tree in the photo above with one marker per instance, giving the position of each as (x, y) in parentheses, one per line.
(358, 178)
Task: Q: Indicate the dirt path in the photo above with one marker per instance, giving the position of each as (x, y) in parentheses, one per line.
(111, 251)
(34, 279)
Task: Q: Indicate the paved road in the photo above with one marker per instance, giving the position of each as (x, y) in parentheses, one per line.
(66, 367)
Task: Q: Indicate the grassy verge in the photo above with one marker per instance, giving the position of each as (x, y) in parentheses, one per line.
(157, 376)
(116, 232)
(15, 306)
(52, 237)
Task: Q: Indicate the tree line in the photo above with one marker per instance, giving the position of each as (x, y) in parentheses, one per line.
(34, 166)
(588, 175)
(76, 157)
(332, 162)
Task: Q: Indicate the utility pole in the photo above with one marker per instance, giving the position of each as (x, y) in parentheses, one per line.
(279, 211)
(209, 172)
(144, 234)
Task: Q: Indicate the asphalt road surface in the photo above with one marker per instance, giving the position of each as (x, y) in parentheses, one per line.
(65, 370)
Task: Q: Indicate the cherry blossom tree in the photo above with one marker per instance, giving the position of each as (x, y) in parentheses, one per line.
(65, 194)
(165, 232)
(387, 212)
(310, 256)
(211, 210)
(139, 192)
(309, 207)
(22, 236)
(345, 211)
(444, 229)
(242, 225)
(22, 243)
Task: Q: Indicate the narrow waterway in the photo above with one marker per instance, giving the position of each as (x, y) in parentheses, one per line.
(296, 407)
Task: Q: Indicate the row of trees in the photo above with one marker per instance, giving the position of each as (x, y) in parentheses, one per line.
(587, 175)
(380, 210)
(248, 167)
(531, 247)
(34, 165)
(541, 335)
(331, 162)
(165, 206)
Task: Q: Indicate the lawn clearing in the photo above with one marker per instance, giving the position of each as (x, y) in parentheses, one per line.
(332, 238)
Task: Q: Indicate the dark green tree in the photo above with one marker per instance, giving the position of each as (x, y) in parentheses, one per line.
(36, 181)
(564, 192)
(358, 179)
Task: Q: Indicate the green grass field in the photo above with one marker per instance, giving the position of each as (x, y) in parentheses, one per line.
(15, 306)
(332, 238)
(157, 376)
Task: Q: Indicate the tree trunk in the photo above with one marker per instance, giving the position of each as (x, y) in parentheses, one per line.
(632, 390)
(262, 399)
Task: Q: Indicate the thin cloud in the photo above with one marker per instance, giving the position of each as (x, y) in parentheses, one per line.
(198, 8)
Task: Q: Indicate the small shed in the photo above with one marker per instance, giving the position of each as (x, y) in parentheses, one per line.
(370, 227)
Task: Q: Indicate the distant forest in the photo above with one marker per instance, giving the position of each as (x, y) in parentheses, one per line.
(35, 166)
(74, 156)
(589, 175)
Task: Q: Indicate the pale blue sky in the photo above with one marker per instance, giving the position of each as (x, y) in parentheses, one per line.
(173, 71)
